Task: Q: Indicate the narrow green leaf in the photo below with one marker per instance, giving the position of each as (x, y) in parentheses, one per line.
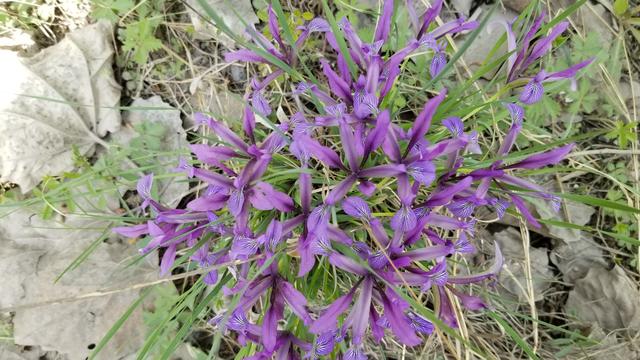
(220, 24)
(180, 306)
(594, 201)
(199, 309)
(563, 224)
(563, 15)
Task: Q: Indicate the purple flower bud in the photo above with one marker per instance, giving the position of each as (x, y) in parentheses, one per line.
(384, 22)
(338, 110)
(168, 259)
(133, 231)
(423, 172)
(365, 104)
(237, 321)
(303, 87)
(539, 160)
(244, 55)
(438, 62)
(429, 15)
(423, 121)
(144, 186)
(377, 260)
(236, 202)
(367, 188)
(463, 245)
(454, 125)
(470, 302)
(273, 235)
(329, 317)
(461, 208)
(516, 112)
(347, 264)
(318, 219)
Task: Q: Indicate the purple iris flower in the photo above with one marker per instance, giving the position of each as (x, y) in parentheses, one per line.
(529, 51)
(348, 184)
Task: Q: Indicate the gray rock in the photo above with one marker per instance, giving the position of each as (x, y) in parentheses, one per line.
(627, 94)
(462, 6)
(579, 214)
(516, 5)
(480, 48)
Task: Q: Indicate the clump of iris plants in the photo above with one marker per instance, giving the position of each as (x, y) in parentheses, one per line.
(377, 202)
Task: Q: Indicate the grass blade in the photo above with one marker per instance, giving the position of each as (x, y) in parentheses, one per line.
(202, 305)
(594, 201)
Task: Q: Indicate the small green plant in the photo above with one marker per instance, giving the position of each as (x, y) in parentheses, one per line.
(138, 26)
(624, 133)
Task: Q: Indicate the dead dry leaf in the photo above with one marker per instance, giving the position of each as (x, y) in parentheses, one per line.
(46, 313)
(575, 259)
(606, 297)
(63, 96)
(515, 280)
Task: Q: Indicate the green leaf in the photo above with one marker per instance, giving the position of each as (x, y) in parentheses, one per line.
(624, 133)
(620, 7)
(618, 236)
(85, 253)
(179, 307)
(563, 15)
(139, 38)
(197, 311)
(594, 201)
(111, 9)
